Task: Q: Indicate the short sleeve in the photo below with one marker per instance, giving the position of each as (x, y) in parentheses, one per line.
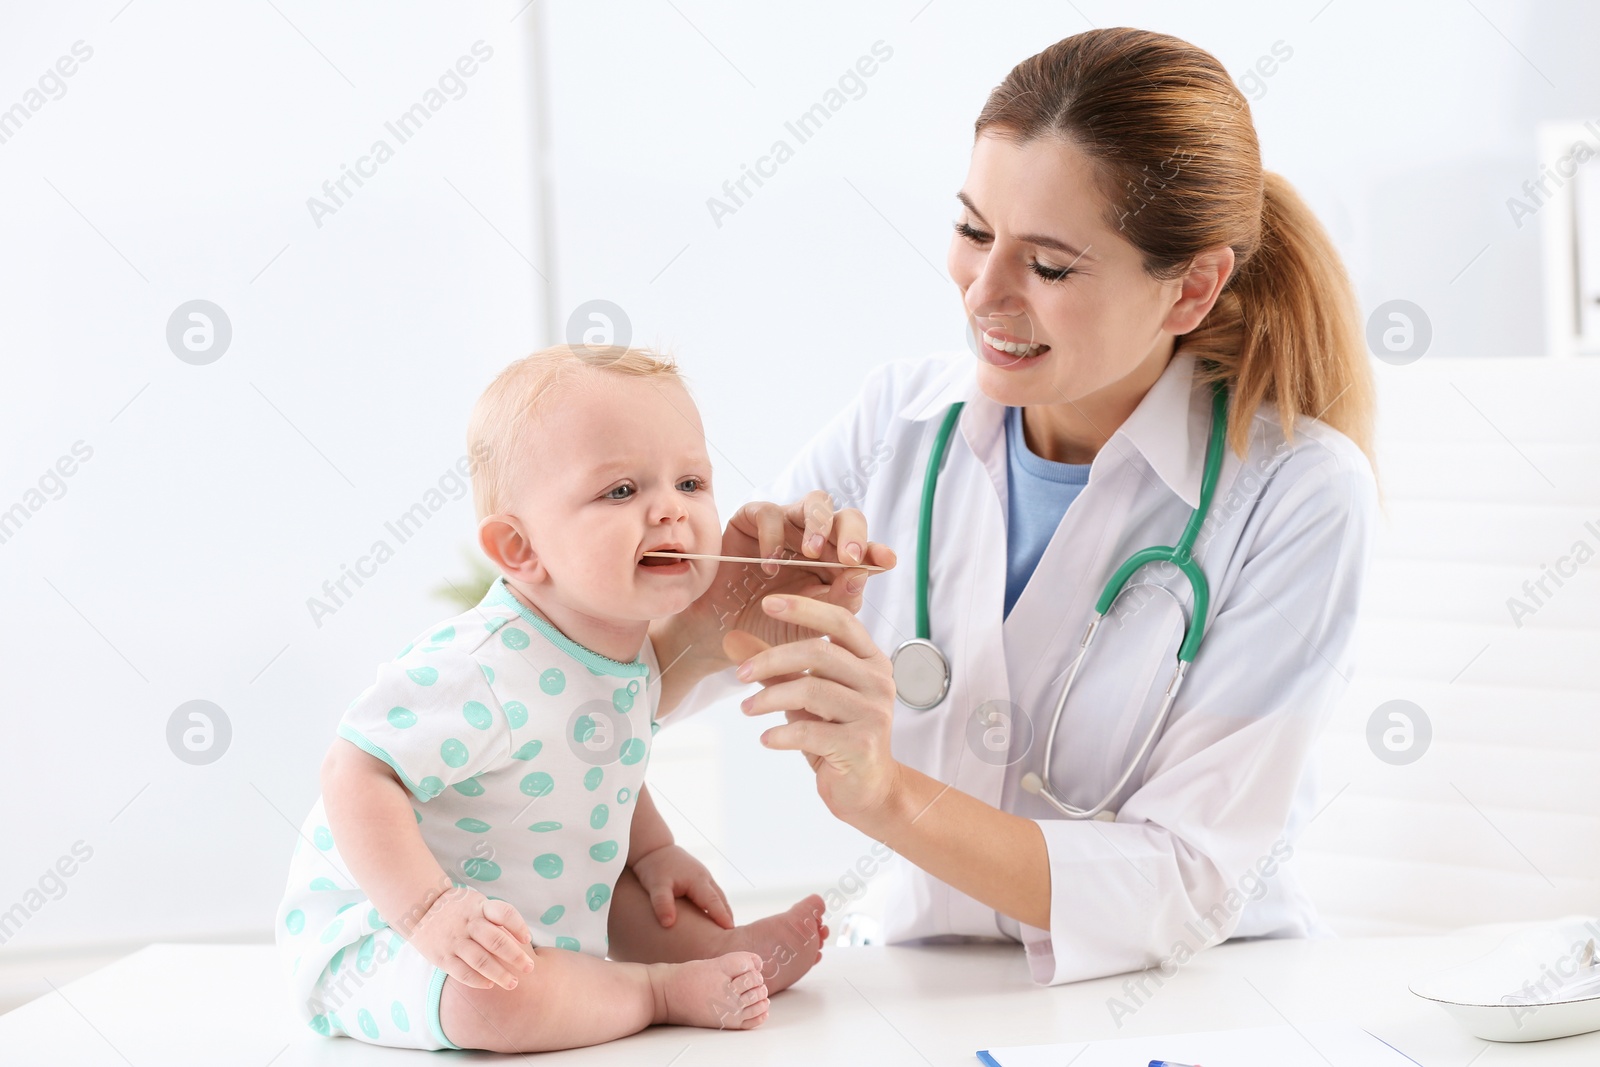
(432, 717)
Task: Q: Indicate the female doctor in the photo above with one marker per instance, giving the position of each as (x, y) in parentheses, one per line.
(1121, 256)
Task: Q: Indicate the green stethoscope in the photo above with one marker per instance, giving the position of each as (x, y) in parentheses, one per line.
(922, 672)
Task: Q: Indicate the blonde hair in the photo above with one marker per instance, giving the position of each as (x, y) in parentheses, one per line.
(1176, 154)
(497, 431)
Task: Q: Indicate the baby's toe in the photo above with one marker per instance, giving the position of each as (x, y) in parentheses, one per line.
(735, 964)
(755, 1013)
(747, 981)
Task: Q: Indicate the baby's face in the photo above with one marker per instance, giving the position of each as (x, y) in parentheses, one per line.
(618, 467)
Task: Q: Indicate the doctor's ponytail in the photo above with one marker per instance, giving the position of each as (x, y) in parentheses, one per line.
(1175, 152)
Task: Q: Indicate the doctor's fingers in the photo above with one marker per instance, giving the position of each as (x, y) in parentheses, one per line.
(823, 659)
(826, 700)
(846, 530)
(768, 524)
(839, 623)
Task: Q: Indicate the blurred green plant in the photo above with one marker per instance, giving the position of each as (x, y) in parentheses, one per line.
(468, 592)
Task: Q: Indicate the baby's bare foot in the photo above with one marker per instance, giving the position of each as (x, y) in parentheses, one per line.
(789, 944)
(726, 993)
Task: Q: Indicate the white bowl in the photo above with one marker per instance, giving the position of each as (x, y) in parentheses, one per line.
(1530, 966)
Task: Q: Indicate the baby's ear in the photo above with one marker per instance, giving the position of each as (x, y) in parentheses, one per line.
(503, 540)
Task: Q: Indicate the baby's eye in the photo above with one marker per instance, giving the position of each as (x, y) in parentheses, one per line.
(621, 492)
(691, 485)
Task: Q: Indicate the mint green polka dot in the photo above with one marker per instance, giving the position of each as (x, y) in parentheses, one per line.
(345, 907)
(654, 726)
(319, 1023)
(333, 1020)
(552, 913)
(446, 634)
(516, 714)
(397, 1012)
(477, 715)
(408, 648)
(295, 921)
(401, 718)
(528, 751)
(494, 624)
(633, 751)
(513, 638)
(604, 852)
(548, 865)
(553, 681)
(332, 931)
(622, 700)
(417, 813)
(597, 895)
(598, 817)
(375, 920)
(544, 827)
(488, 673)
(538, 784)
(473, 826)
(322, 838)
(624, 795)
(583, 729)
(323, 883)
(369, 945)
(570, 943)
(423, 675)
(368, 1027)
(591, 778)
(337, 961)
(453, 752)
(470, 787)
(431, 786)
(480, 870)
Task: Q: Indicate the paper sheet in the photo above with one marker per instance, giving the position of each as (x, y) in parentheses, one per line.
(1318, 1045)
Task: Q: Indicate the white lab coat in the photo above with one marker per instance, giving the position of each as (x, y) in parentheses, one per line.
(1212, 812)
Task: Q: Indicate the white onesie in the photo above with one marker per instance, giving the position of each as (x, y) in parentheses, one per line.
(522, 750)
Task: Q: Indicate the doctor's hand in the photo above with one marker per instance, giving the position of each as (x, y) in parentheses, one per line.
(808, 529)
(838, 696)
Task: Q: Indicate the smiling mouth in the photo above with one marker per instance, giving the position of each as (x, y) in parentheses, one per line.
(998, 341)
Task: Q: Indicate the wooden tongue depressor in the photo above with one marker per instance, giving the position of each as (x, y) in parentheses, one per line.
(781, 562)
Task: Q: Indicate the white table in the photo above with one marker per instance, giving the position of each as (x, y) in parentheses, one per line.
(175, 1005)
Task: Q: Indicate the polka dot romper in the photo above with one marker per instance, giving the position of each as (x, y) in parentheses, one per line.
(521, 751)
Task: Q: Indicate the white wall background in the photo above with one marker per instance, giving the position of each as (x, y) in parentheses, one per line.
(177, 164)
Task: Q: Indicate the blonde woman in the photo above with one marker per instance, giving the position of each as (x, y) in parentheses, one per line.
(1122, 257)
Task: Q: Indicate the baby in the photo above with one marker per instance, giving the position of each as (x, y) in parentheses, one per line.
(484, 828)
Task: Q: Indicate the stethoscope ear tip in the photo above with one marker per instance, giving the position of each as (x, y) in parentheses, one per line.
(1031, 783)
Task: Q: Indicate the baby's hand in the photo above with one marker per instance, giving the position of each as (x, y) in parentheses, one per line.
(479, 942)
(668, 873)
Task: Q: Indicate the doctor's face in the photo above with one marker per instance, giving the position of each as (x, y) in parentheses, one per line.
(1058, 299)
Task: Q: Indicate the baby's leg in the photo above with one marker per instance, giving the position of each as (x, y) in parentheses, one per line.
(789, 944)
(571, 1000)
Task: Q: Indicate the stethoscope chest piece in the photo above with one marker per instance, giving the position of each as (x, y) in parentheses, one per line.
(921, 674)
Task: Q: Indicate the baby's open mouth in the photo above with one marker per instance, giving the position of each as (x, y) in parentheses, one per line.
(663, 561)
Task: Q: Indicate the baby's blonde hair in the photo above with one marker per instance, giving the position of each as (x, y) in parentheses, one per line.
(496, 432)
